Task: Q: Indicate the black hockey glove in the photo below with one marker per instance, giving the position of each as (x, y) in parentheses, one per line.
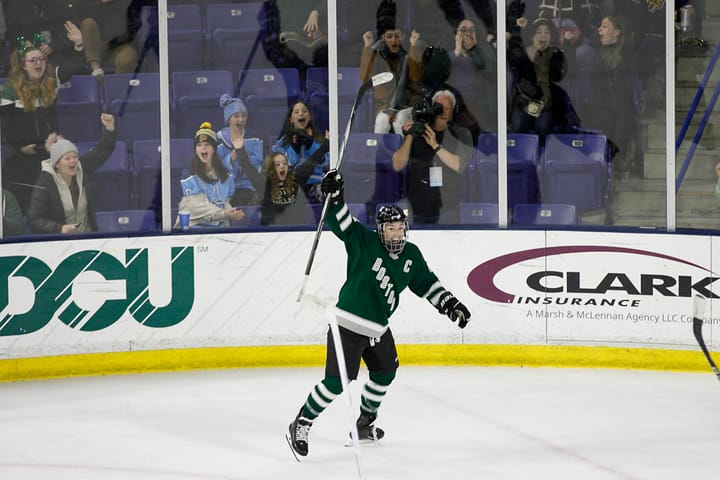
(451, 306)
(332, 186)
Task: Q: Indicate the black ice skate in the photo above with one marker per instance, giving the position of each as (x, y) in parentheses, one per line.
(297, 436)
(367, 431)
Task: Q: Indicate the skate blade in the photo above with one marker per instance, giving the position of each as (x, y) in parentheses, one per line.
(363, 441)
(292, 450)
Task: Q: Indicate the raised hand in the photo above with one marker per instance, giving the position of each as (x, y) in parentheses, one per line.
(368, 39)
(311, 25)
(237, 138)
(332, 186)
(108, 121)
(414, 38)
(74, 34)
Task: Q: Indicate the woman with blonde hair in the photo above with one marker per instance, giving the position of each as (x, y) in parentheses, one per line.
(29, 116)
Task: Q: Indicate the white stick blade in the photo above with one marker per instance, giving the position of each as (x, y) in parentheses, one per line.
(381, 78)
(699, 306)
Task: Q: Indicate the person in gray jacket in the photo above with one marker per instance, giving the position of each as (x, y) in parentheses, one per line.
(60, 201)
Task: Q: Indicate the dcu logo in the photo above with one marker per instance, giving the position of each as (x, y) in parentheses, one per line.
(481, 279)
(53, 291)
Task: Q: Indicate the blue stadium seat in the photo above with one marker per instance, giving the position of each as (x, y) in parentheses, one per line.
(576, 171)
(196, 96)
(348, 85)
(146, 171)
(316, 80)
(271, 82)
(314, 210)
(110, 185)
(359, 211)
(479, 213)
(126, 221)
(78, 109)
(367, 168)
(480, 182)
(232, 30)
(146, 174)
(185, 37)
(268, 94)
(544, 214)
(135, 102)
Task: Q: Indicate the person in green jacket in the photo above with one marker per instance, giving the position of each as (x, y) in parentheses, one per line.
(380, 265)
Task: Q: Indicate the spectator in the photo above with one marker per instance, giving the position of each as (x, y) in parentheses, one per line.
(13, 223)
(207, 191)
(613, 106)
(435, 155)
(312, 24)
(539, 104)
(290, 37)
(392, 109)
(133, 24)
(56, 22)
(100, 22)
(283, 198)
(473, 73)
(61, 202)
(29, 116)
(235, 114)
(299, 141)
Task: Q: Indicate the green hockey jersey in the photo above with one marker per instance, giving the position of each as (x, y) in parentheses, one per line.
(375, 277)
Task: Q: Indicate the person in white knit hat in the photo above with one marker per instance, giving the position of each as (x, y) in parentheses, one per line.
(60, 201)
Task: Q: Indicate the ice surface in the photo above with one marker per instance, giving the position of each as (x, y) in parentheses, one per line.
(440, 422)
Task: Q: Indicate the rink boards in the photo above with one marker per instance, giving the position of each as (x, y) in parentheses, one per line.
(565, 298)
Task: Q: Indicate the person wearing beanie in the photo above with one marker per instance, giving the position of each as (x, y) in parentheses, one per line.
(61, 201)
(235, 114)
(207, 191)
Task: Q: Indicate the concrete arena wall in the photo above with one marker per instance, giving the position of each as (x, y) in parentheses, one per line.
(562, 298)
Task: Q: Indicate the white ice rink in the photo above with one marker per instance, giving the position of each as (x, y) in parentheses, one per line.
(441, 423)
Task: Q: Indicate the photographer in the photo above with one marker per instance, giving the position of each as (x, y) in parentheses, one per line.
(435, 151)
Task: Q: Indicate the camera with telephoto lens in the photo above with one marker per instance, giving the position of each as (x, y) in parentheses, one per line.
(424, 113)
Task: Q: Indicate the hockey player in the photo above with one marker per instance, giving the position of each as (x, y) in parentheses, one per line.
(379, 266)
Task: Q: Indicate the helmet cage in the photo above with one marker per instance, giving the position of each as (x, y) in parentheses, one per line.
(391, 214)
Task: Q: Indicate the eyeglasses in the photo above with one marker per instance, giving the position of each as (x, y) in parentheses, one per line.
(466, 30)
(36, 60)
(390, 36)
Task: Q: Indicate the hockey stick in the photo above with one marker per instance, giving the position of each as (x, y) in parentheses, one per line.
(699, 305)
(342, 368)
(378, 79)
